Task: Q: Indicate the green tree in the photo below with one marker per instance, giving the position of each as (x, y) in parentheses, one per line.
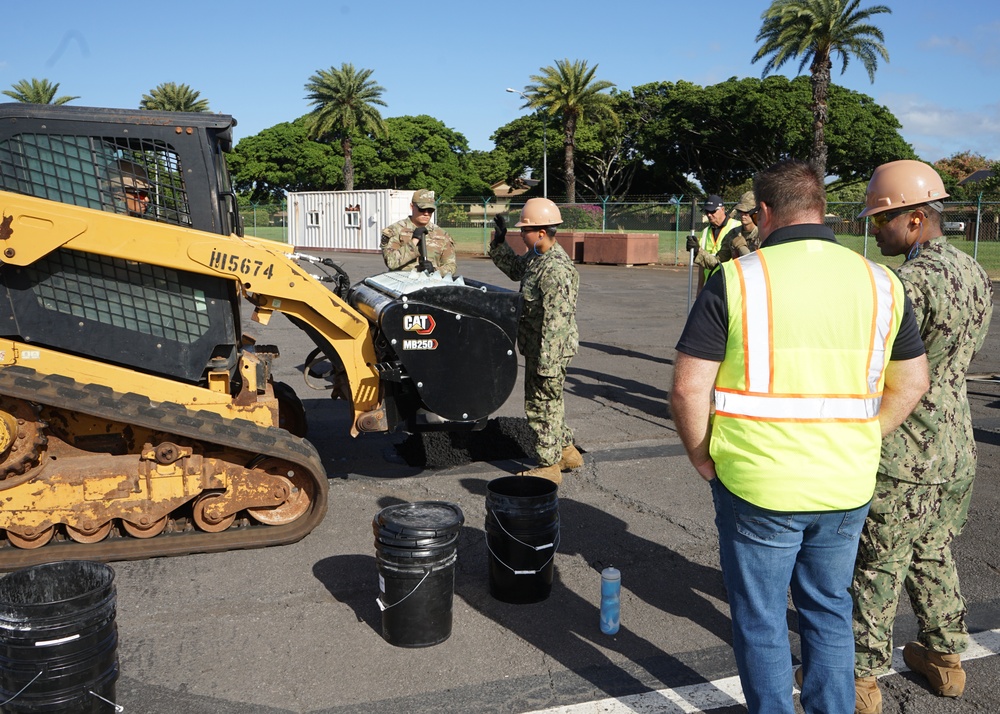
(722, 134)
(345, 101)
(958, 166)
(816, 31)
(570, 92)
(37, 91)
(521, 142)
(173, 97)
(282, 158)
(418, 152)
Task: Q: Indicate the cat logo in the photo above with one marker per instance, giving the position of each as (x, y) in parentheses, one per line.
(421, 324)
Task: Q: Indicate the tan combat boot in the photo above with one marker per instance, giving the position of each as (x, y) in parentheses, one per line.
(552, 473)
(571, 458)
(943, 671)
(867, 696)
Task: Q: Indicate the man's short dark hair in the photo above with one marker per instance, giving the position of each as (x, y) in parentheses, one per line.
(791, 187)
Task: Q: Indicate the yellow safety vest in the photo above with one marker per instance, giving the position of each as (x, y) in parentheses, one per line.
(797, 397)
(712, 245)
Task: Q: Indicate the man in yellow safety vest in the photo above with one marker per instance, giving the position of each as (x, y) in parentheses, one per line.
(810, 354)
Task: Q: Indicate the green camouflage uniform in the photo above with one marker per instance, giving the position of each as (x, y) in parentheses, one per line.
(547, 337)
(399, 252)
(925, 476)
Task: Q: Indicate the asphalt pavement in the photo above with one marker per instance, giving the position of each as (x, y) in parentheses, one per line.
(297, 629)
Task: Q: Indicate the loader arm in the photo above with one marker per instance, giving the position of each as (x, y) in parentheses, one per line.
(30, 229)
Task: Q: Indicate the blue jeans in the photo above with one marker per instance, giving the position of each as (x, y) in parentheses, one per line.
(763, 553)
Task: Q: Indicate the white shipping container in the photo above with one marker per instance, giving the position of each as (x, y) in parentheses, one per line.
(344, 220)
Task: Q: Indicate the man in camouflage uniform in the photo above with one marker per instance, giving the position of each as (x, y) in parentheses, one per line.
(546, 334)
(928, 464)
(746, 241)
(401, 241)
(714, 246)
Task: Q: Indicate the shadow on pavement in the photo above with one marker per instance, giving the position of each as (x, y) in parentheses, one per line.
(565, 626)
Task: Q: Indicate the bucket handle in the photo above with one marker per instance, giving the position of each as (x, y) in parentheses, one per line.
(554, 545)
(3, 704)
(383, 607)
(118, 707)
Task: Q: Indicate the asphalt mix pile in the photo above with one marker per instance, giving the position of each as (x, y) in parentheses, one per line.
(503, 439)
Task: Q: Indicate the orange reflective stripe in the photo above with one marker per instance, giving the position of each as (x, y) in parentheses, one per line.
(757, 400)
(758, 344)
(881, 324)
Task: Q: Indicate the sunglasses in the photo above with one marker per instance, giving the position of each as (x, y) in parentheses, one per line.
(424, 210)
(880, 219)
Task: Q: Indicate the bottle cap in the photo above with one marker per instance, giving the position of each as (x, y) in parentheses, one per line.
(611, 574)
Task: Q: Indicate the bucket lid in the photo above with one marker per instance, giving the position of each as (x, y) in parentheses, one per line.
(422, 519)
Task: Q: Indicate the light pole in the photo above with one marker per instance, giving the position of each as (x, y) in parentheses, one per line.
(545, 147)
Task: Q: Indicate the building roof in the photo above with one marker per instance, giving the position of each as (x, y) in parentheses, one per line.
(520, 185)
(976, 176)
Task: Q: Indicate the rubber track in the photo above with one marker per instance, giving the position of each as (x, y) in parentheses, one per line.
(64, 393)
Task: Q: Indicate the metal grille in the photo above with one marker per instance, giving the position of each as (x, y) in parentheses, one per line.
(99, 173)
(141, 298)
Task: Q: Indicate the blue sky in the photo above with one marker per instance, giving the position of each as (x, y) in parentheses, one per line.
(453, 60)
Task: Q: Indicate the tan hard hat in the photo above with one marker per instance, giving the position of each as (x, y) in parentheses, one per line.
(539, 212)
(899, 184)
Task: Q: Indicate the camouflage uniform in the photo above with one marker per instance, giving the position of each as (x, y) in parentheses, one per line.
(750, 241)
(399, 252)
(925, 476)
(547, 337)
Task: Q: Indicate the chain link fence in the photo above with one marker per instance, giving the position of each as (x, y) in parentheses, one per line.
(972, 227)
(265, 220)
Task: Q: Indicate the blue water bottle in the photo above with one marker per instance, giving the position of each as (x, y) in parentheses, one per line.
(611, 591)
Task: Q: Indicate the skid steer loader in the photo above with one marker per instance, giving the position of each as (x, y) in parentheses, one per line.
(136, 419)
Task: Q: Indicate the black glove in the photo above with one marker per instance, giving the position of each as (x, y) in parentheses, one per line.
(500, 232)
(419, 233)
(692, 244)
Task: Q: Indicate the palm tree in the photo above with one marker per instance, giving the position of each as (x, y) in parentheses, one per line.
(171, 97)
(815, 30)
(37, 91)
(570, 91)
(345, 102)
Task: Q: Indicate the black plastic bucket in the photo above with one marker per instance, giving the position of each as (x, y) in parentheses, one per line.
(416, 548)
(522, 535)
(58, 638)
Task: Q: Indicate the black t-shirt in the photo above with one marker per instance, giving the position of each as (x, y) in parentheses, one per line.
(707, 328)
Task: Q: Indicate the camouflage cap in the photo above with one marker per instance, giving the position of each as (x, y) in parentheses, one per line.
(423, 198)
(747, 203)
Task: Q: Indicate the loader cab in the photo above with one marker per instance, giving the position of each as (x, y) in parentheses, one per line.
(76, 155)
(167, 167)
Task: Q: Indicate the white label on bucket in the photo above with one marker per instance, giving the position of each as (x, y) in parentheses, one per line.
(381, 583)
(46, 643)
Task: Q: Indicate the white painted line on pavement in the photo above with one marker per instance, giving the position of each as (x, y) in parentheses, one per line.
(699, 698)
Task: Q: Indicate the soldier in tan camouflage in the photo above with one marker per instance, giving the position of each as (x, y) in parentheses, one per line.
(746, 241)
(928, 464)
(401, 241)
(546, 334)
